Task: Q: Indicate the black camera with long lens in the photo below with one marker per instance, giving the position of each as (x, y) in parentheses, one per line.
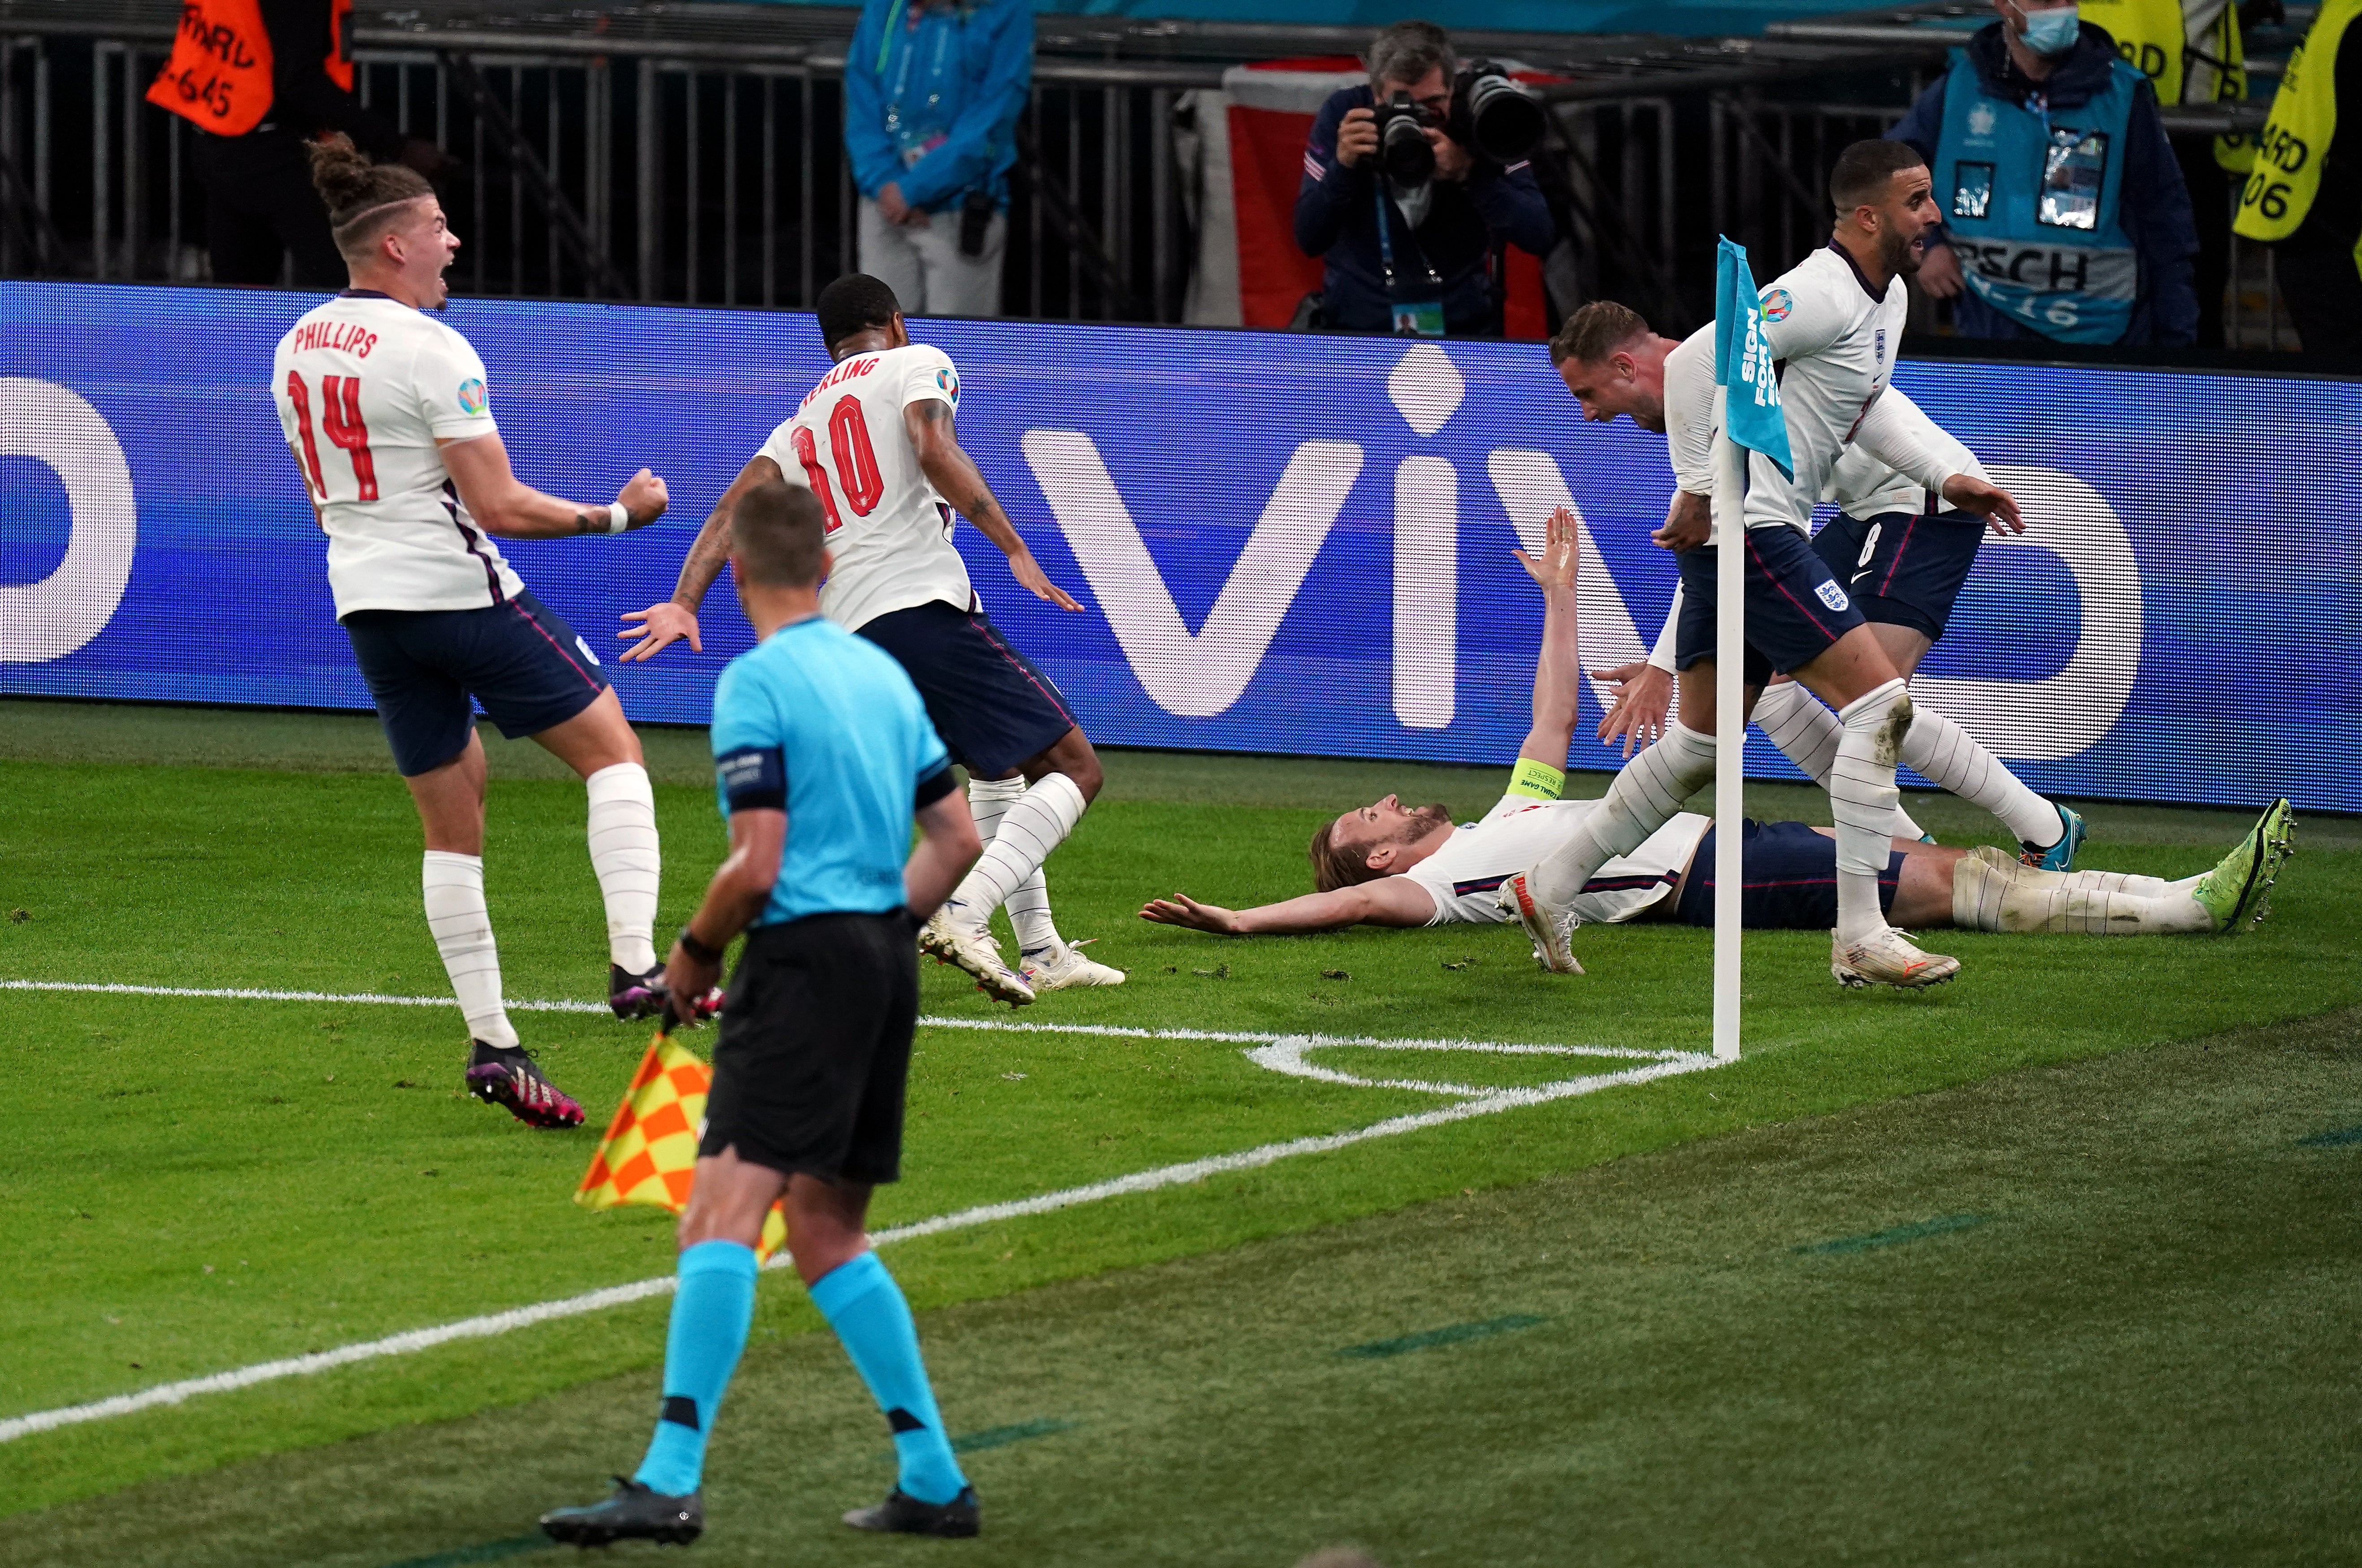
(1492, 116)
(1404, 151)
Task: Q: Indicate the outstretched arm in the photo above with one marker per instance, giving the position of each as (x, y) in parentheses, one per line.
(955, 477)
(505, 505)
(1389, 901)
(661, 625)
(1558, 667)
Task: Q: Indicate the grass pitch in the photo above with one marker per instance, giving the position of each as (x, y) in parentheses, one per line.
(204, 1183)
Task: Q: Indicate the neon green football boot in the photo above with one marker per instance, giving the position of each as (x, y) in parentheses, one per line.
(2235, 894)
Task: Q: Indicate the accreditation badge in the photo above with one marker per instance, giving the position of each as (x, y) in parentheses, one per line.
(1424, 319)
(2072, 166)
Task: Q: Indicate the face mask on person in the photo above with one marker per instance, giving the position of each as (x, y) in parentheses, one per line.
(2053, 31)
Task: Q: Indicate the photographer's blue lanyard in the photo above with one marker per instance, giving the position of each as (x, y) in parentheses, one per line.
(1422, 318)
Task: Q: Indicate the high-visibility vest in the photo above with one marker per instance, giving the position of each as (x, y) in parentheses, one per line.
(220, 74)
(2153, 38)
(2294, 142)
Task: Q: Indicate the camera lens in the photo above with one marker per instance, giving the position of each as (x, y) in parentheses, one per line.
(1504, 120)
(1404, 151)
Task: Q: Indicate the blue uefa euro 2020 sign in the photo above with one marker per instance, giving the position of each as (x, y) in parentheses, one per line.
(1284, 543)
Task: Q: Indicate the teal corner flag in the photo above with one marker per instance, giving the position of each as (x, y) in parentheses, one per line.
(1742, 362)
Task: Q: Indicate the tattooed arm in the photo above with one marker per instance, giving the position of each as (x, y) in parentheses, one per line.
(661, 625)
(956, 478)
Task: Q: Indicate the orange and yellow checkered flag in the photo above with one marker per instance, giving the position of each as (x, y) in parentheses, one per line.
(649, 1155)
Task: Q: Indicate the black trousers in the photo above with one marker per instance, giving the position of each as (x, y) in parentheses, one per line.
(2211, 191)
(2324, 291)
(260, 207)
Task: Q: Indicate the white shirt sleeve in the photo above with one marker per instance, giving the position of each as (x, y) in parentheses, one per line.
(447, 379)
(1801, 315)
(1689, 410)
(928, 373)
(1897, 434)
(1661, 656)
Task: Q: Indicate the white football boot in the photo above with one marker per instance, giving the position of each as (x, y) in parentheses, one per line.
(1887, 958)
(949, 940)
(1553, 935)
(1065, 969)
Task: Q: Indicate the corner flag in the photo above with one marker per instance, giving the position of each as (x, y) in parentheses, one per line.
(649, 1155)
(1742, 362)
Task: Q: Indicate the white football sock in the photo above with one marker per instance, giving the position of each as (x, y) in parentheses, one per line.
(1028, 906)
(1644, 797)
(1992, 892)
(454, 886)
(1036, 823)
(1942, 752)
(1862, 802)
(624, 853)
(1806, 733)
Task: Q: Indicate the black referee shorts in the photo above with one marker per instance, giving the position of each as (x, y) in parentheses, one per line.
(815, 1048)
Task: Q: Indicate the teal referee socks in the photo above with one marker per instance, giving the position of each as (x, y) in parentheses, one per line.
(866, 1308)
(711, 1314)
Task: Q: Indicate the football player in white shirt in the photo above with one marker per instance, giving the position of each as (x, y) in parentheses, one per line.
(1835, 319)
(875, 441)
(386, 413)
(1386, 864)
(1902, 564)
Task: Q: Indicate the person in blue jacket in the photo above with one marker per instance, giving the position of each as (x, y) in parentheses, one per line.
(2065, 214)
(1430, 269)
(932, 89)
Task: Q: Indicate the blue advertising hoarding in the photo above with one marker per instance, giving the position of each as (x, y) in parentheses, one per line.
(1282, 543)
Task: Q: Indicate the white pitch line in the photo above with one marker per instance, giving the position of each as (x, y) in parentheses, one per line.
(1004, 1025)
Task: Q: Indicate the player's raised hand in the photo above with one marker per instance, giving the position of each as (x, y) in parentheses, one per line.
(1030, 575)
(1988, 500)
(1688, 524)
(1560, 557)
(661, 625)
(1643, 698)
(1183, 909)
(644, 498)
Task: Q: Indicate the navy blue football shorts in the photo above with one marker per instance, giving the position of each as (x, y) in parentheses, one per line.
(1791, 880)
(1903, 568)
(1796, 606)
(519, 659)
(993, 708)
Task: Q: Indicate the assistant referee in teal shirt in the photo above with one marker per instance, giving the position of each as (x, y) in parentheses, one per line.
(822, 753)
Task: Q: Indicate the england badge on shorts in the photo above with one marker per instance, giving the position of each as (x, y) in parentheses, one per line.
(1831, 595)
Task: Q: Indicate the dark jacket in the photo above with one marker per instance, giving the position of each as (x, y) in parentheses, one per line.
(2335, 220)
(303, 99)
(1337, 220)
(2154, 209)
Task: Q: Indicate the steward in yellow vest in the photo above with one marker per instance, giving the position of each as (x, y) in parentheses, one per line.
(2304, 194)
(261, 78)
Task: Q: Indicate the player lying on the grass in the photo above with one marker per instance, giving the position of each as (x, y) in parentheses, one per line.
(823, 752)
(1834, 322)
(1386, 864)
(1901, 550)
(385, 410)
(875, 442)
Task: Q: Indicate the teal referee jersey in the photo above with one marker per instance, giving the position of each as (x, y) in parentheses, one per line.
(824, 725)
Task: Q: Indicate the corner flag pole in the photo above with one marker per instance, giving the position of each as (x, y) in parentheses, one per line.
(1729, 727)
(1747, 419)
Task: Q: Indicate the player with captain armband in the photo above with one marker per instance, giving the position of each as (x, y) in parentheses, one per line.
(1836, 320)
(386, 414)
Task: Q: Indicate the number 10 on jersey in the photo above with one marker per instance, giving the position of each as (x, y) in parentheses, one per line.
(857, 461)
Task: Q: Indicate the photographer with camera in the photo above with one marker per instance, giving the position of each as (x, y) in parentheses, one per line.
(1415, 185)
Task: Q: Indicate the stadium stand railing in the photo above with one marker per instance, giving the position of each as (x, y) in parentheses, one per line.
(691, 154)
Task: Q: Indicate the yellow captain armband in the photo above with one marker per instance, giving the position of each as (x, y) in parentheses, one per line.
(1539, 779)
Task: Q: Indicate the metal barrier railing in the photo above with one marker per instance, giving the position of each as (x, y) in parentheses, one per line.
(698, 169)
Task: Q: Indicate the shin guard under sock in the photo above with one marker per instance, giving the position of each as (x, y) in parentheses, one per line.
(866, 1308)
(711, 1313)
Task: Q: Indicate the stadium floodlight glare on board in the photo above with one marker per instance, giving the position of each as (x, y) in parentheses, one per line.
(1284, 543)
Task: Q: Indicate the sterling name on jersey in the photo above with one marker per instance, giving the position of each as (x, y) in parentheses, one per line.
(365, 387)
(1838, 342)
(1465, 876)
(889, 531)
